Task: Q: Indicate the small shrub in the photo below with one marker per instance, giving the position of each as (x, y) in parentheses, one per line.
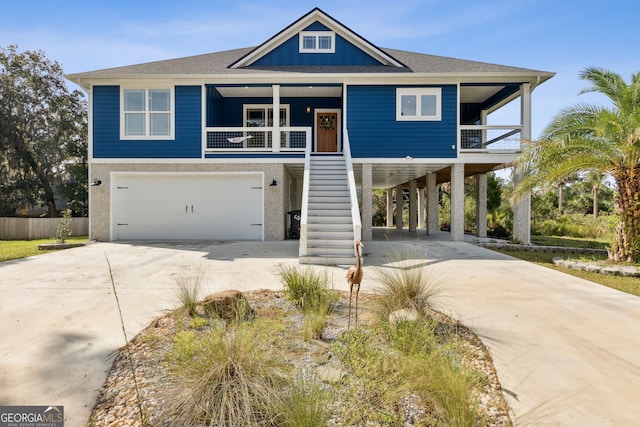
(63, 229)
(189, 285)
(404, 285)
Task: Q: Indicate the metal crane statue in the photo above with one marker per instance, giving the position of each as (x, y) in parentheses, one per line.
(354, 277)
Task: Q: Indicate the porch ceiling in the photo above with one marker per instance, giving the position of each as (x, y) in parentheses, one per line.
(285, 91)
(478, 94)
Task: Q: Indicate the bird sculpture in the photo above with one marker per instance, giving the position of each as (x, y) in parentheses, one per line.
(354, 277)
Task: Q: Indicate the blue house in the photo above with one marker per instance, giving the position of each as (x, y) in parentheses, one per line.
(224, 145)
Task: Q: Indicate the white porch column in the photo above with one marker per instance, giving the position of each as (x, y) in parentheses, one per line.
(367, 202)
(457, 202)
(413, 206)
(522, 208)
(389, 207)
(399, 206)
(421, 209)
(481, 205)
(275, 141)
(432, 204)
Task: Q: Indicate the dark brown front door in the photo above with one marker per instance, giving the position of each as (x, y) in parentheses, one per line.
(327, 132)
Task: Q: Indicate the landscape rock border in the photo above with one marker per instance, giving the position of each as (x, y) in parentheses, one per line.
(589, 266)
(536, 248)
(58, 246)
(592, 267)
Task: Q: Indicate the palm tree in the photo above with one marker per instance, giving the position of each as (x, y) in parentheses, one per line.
(589, 138)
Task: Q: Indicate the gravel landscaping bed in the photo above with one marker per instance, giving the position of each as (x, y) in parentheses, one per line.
(117, 404)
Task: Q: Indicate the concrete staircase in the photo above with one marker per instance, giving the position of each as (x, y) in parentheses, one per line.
(330, 227)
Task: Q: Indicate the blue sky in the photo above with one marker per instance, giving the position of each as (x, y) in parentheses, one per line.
(561, 36)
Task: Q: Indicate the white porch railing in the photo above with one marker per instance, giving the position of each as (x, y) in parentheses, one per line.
(490, 138)
(241, 139)
(355, 209)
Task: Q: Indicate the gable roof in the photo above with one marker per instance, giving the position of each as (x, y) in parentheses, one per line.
(316, 15)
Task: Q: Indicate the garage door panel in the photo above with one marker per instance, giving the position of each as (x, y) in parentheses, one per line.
(194, 206)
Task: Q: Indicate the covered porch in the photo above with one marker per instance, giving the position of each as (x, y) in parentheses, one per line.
(240, 118)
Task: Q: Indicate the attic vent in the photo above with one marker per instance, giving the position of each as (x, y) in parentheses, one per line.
(317, 42)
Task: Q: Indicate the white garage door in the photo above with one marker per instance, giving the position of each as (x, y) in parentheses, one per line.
(187, 206)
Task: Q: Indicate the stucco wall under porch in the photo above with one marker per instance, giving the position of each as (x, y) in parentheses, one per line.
(275, 205)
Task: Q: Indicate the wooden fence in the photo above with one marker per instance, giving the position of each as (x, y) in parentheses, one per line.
(38, 228)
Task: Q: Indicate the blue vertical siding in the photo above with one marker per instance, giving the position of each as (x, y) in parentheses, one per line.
(288, 54)
(188, 127)
(374, 131)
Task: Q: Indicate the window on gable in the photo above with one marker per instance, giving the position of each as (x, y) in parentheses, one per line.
(147, 113)
(317, 42)
(419, 104)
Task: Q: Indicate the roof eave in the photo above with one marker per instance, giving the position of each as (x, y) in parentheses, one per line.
(534, 78)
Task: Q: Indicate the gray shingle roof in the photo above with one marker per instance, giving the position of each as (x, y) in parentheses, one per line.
(218, 63)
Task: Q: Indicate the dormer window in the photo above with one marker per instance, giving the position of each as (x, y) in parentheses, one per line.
(317, 42)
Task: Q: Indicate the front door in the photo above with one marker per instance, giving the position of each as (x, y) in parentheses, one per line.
(327, 131)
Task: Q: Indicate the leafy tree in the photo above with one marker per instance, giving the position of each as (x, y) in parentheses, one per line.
(43, 129)
(494, 192)
(585, 138)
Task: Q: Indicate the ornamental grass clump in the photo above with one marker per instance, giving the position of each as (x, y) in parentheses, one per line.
(309, 290)
(188, 288)
(225, 377)
(306, 287)
(305, 403)
(404, 283)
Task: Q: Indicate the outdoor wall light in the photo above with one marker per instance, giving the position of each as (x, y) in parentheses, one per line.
(95, 183)
(274, 183)
(308, 109)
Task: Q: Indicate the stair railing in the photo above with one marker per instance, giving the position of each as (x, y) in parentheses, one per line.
(355, 210)
(306, 183)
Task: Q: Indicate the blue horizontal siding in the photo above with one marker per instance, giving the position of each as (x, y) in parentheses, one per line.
(225, 112)
(288, 54)
(375, 133)
(106, 127)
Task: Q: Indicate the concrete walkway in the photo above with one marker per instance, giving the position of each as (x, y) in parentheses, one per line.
(567, 351)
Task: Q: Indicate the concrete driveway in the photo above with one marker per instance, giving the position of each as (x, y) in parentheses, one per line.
(567, 351)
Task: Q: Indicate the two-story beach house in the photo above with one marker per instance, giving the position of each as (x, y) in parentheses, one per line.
(222, 146)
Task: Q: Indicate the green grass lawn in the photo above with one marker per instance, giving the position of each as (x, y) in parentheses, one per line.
(630, 285)
(14, 249)
(571, 242)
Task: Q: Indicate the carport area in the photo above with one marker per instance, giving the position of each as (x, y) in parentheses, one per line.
(566, 350)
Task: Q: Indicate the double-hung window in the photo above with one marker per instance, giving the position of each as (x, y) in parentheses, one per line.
(419, 104)
(317, 42)
(147, 113)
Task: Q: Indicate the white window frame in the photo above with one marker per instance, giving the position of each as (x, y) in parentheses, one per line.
(418, 92)
(266, 108)
(316, 35)
(148, 113)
